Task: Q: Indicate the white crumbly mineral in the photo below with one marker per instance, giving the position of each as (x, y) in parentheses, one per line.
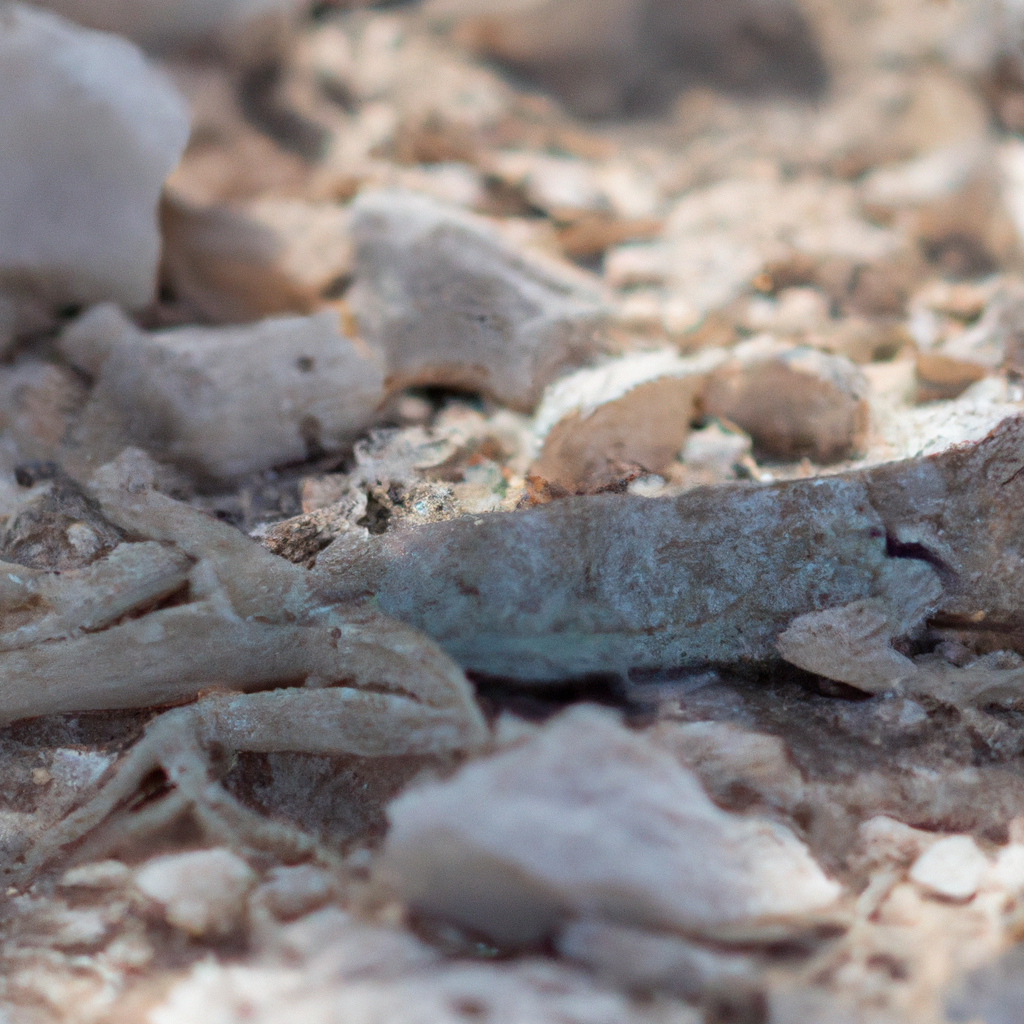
(718, 238)
(953, 867)
(587, 819)
(225, 401)
(451, 303)
(201, 892)
(90, 131)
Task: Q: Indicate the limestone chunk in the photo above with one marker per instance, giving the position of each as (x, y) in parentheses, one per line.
(222, 402)
(271, 256)
(953, 867)
(451, 304)
(90, 133)
(631, 412)
(589, 818)
(201, 892)
(792, 401)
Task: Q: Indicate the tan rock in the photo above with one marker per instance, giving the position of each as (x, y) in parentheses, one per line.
(633, 412)
(588, 818)
(237, 264)
(792, 401)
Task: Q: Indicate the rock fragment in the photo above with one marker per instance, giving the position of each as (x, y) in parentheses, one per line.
(90, 133)
(589, 819)
(202, 892)
(794, 402)
(953, 867)
(221, 402)
(238, 264)
(452, 305)
(630, 413)
(958, 347)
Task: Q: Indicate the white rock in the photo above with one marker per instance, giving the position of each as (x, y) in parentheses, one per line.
(90, 131)
(953, 867)
(632, 411)
(1008, 869)
(590, 819)
(716, 448)
(908, 432)
(168, 21)
(450, 303)
(225, 401)
(201, 892)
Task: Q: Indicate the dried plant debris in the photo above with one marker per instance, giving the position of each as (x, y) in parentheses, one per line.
(462, 560)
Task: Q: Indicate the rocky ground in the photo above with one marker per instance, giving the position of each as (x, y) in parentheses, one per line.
(659, 366)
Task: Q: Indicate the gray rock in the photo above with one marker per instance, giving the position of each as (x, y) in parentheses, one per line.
(222, 402)
(89, 132)
(589, 819)
(451, 304)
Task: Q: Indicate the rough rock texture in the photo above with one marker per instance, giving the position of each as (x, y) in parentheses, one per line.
(586, 820)
(90, 132)
(221, 402)
(451, 304)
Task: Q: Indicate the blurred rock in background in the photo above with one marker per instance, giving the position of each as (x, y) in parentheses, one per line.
(608, 57)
